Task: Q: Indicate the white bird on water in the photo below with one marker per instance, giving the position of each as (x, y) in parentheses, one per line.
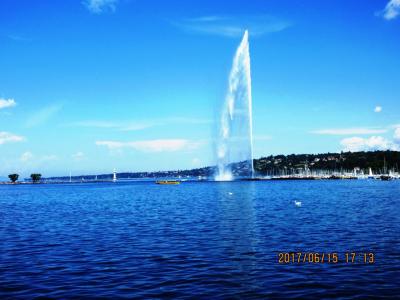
(230, 193)
(297, 203)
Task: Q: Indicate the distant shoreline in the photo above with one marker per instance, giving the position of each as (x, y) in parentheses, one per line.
(276, 167)
(327, 164)
(153, 180)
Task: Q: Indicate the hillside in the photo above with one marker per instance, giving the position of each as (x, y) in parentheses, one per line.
(280, 164)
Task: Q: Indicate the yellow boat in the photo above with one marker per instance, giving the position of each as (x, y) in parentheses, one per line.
(168, 182)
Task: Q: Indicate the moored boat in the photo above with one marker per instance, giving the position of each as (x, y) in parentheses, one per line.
(386, 177)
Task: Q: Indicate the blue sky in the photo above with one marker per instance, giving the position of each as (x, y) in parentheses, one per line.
(86, 86)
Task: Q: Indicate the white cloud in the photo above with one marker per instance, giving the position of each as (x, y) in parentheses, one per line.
(43, 115)
(233, 26)
(349, 131)
(112, 144)
(137, 125)
(378, 109)
(26, 156)
(123, 126)
(392, 10)
(78, 156)
(372, 143)
(7, 137)
(394, 126)
(100, 6)
(29, 156)
(161, 145)
(94, 123)
(396, 135)
(4, 103)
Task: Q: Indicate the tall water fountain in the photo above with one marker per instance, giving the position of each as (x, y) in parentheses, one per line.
(235, 137)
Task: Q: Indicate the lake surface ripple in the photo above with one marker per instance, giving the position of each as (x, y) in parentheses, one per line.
(202, 240)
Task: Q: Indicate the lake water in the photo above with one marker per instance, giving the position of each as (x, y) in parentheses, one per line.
(203, 240)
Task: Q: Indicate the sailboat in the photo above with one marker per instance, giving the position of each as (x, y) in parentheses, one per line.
(385, 176)
(370, 174)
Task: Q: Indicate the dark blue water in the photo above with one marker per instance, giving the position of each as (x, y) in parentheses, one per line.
(203, 240)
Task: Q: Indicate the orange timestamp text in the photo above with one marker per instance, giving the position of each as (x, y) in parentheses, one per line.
(326, 257)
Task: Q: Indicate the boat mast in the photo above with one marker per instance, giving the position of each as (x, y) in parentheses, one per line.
(384, 165)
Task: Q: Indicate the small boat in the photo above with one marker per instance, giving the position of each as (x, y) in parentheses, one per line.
(168, 182)
(386, 177)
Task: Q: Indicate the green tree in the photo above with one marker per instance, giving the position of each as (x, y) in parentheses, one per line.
(36, 177)
(13, 177)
